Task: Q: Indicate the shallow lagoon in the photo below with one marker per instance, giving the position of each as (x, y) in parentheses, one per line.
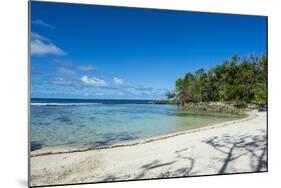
(103, 124)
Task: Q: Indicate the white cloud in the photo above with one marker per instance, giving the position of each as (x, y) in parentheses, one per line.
(64, 70)
(121, 93)
(62, 63)
(101, 94)
(62, 81)
(36, 36)
(93, 81)
(86, 67)
(41, 46)
(42, 23)
(118, 81)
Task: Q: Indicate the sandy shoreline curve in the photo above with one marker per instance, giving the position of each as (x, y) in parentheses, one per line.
(239, 147)
(71, 149)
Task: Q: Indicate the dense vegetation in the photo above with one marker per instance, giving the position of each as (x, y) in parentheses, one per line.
(239, 81)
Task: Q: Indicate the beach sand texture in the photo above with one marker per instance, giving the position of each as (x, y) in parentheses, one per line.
(236, 147)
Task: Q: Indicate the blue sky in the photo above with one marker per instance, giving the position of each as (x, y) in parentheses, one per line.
(82, 51)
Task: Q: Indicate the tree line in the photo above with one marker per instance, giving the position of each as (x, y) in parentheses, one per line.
(239, 81)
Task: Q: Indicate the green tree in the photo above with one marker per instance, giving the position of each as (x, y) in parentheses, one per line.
(238, 80)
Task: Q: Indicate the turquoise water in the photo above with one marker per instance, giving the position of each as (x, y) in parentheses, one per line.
(98, 124)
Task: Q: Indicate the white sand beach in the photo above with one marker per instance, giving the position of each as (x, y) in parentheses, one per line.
(232, 147)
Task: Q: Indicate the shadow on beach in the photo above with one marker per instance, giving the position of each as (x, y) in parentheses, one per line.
(232, 148)
(224, 154)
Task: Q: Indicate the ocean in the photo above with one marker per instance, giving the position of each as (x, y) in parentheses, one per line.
(97, 122)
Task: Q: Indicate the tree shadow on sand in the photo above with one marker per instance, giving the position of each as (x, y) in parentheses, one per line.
(144, 169)
(253, 148)
(167, 171)
(234, 147)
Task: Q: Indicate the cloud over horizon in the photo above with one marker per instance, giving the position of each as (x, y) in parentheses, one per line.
(69, 75)
(42, 23)
(93, 81)
(86, 68)
(118, 81)
(41, 46)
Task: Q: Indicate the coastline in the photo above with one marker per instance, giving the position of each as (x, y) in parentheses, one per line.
(51, 150)
(231, 147)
